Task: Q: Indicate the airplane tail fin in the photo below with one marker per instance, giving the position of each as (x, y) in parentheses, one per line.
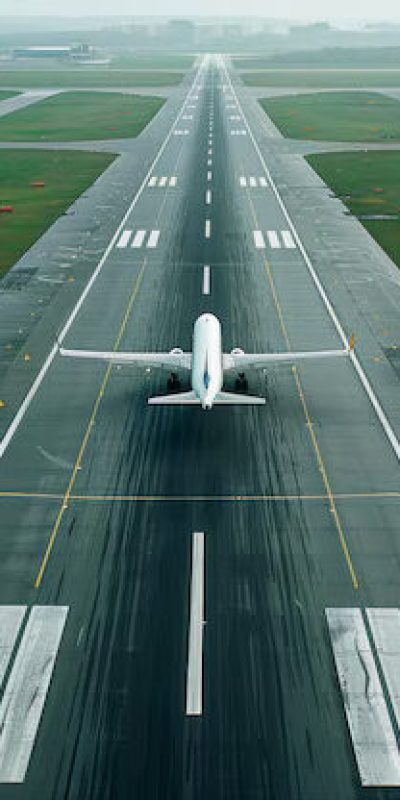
(232, 399)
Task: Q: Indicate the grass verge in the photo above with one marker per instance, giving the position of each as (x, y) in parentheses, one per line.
(6, 95)
(80, 115)
(324, 78)
(368, 184)
(65, 175)
(336, 116)
(87, 79)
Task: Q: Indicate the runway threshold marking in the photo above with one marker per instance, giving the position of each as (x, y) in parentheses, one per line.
(314, 440)
(19, 416)
(194, 675)
(85, 440)
(383, 419)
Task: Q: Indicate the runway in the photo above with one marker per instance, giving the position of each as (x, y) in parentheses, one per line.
(193, 555)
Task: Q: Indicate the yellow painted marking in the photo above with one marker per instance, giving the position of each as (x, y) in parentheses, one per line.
(2, 404)
(176, 498)
(314, 440)
(85, 440)
(27, 357)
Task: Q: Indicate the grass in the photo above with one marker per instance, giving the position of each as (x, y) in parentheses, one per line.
(324, 78)
(154, 61)
(337, 116)
(86, 79)
(66, 176)
(5, 95)
(376, 57)
(368, 184)
(80, 115)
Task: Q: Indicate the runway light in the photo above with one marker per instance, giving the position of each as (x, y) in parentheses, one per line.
(2, 404)
(27, 357)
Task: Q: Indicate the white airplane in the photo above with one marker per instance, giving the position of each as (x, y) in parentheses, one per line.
(207, 364)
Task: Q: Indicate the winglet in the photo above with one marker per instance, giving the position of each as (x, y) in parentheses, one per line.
(351, 343)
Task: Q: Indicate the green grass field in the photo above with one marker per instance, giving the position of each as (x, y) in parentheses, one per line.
(6, 95)
(86, 79)
(323, 78)
(336, 116)
(368, 184)
(66, 176)
(154, 61)
(77, 116)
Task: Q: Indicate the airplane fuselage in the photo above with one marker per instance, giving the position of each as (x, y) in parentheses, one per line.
(207, 371)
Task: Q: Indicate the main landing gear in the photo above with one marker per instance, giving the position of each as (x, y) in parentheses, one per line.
(174, 383)
(241, 383)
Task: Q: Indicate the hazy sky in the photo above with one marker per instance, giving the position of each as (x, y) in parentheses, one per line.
(304, 9)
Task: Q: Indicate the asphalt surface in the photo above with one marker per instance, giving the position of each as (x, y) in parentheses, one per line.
(292, 497)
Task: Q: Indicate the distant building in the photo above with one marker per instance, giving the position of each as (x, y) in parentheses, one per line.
(45, 51)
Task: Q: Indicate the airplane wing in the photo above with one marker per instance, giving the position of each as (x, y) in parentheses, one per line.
(240, 361)
(176, 359)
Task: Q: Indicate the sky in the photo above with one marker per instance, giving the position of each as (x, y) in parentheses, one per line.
(297, 9)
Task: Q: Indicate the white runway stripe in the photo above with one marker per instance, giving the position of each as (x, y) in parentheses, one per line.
(10, 623)
(288, 240)
(173, 181)
(263, 182)
(194, 676)
(209, 176)
(163, 181)
(243, 181)
(124, 239)
(152, 181)
(206, 280)
(207, 229)
(252, 182)
(259, 240)
(208, 197)
(26, 690)
(273, 239)
(138, 239)
(153, 239)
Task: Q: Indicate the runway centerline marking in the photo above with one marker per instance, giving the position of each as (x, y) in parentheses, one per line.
(206, 279)
(20, 414)
(208, 197)
(207, 229)
(194, 675)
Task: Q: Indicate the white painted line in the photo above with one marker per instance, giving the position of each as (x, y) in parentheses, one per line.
(385, 627)
(173, 181)
(206, 280)
(288, 240)
(389, 432)
(19, 416)
(209, 175)
(243, 181)
(273, 239)
(210, 151)
(187, 116)
(25, 694)
(252, 182)
(207, 229)
(194, 676)
(259, 240)
(10, 623)
(152, 181)
(374, 743)
(138, 239)
(209, 162)
(163, 181)
(263, 182)
(123, 241)
(153, 239)
(208, 197)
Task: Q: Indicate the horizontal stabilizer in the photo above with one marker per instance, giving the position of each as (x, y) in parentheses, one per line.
(232, 399)
(177, 399)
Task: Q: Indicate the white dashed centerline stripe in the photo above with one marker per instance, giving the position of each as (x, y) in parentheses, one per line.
(13, 427)
(123, 241)
(390, 434)
(138, 239)
(153, 239)
(209, 162)
(208, 197)
(259, 240)
(194, 675)
(209, 176)
(206, 280)
(207, 229)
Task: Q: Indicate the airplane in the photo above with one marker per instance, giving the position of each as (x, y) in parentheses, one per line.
(207, 364)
